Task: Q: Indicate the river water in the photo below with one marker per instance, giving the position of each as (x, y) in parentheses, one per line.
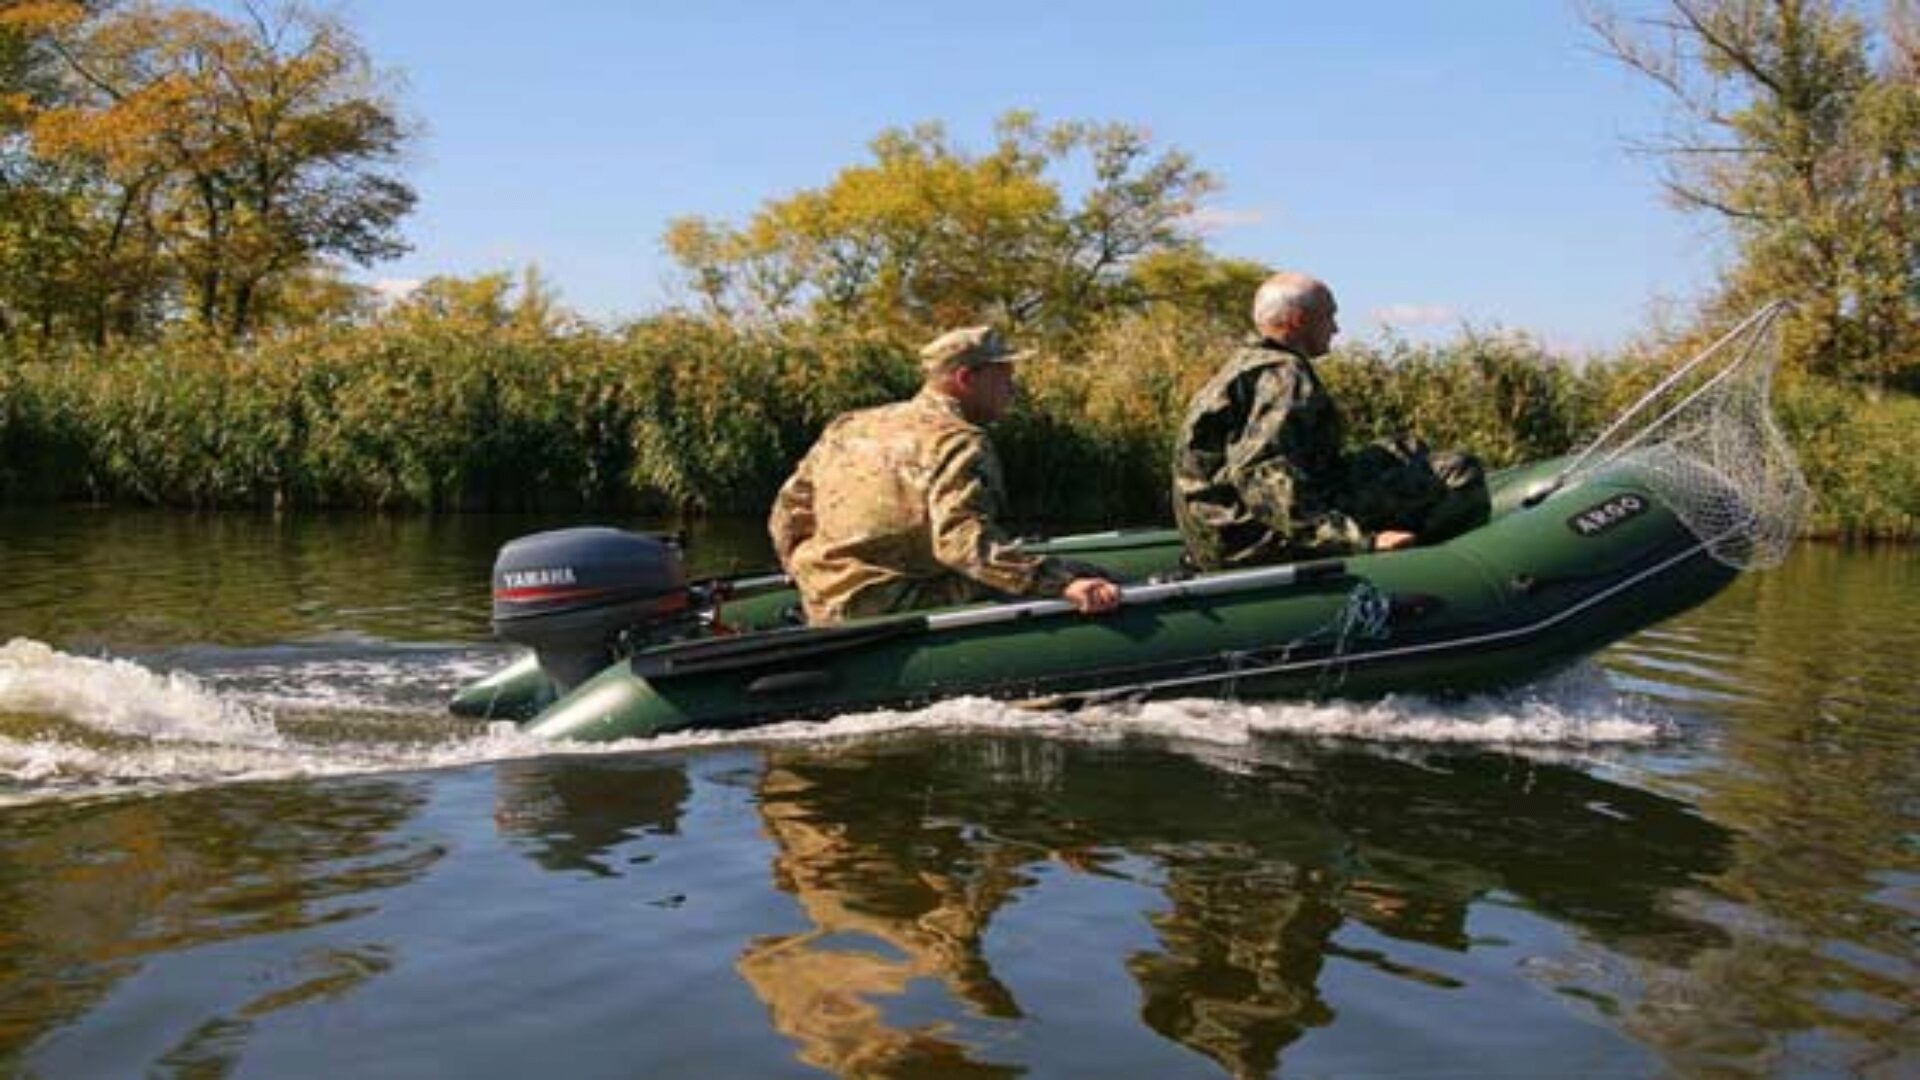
(239, 836)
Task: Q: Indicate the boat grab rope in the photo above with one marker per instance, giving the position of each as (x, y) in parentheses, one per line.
(1368, 615)
(1365, 615)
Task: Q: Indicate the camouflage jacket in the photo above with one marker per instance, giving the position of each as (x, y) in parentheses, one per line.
(894, 509)
(1258, 465)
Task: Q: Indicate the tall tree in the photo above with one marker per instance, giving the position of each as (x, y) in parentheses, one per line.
(253, 148)
(68, 257)
(928, 233)
(1797, 124)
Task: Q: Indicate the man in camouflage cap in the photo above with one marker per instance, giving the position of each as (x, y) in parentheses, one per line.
(1259, 475)
(894, 508)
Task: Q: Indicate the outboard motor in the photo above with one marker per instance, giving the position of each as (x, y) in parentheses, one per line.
(582, 597)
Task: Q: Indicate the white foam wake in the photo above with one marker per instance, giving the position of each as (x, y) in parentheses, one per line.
(119, 697)
(1577, 709)
(123, 727)
(321, 679)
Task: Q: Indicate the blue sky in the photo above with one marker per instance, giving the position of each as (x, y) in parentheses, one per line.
(1438, 163)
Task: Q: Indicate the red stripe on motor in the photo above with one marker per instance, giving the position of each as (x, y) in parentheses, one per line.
(545, 592)
(669, 602)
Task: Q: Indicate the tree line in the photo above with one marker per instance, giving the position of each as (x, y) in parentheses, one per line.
(164, 165)
(183, 194)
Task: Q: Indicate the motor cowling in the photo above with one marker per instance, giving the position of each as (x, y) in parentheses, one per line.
(573, 595)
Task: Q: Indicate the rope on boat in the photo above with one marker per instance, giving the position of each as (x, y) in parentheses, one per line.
(1365, 615)
(1368, 615)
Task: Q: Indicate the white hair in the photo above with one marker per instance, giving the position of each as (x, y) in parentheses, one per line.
(1285, 293)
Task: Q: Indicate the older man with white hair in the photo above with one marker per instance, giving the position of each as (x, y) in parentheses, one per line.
(1259, 472)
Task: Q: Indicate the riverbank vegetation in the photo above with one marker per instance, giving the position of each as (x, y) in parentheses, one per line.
(684, 414)
(177, 327)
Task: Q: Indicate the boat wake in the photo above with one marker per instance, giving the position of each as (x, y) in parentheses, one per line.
(83, 727)
(1576, 710)
(88, 727)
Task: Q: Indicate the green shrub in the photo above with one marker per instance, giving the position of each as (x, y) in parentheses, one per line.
(688, 415)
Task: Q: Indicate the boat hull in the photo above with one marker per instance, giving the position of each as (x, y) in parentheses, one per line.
(1535, 589)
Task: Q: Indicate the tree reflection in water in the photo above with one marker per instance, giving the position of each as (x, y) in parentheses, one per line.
(900, 855)
(89, 894)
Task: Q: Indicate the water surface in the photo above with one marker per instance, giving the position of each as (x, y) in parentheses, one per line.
(238, 835)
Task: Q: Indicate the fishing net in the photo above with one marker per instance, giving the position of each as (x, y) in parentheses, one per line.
(1705, 443)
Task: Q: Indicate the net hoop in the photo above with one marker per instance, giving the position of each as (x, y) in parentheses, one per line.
(1704, 441)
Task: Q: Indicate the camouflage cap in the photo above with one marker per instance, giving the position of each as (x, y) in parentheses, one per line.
(970, 347)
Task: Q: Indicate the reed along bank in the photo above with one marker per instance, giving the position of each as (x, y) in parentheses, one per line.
(690, 416)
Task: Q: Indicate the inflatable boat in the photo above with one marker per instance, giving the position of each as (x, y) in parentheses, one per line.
(1578, 552)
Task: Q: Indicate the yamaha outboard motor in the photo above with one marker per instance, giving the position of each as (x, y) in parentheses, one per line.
(582, 597)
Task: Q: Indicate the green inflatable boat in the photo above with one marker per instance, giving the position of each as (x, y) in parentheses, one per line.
(1648, 521)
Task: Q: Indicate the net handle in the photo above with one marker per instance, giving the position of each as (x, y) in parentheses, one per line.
(1753, 345)
(1763, 318)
